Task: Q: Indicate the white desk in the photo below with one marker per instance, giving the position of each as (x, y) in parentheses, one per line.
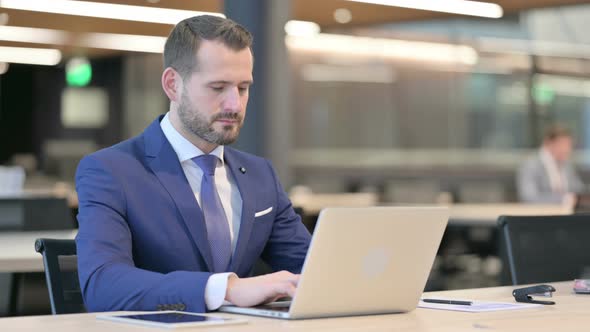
(460, 214)
(487, 214)
(312, 204)
(17, 249)
(569, 314)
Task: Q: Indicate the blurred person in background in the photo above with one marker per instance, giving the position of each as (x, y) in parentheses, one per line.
(548, 176)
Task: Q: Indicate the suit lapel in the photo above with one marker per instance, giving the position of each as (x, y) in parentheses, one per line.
(166, 166)
(244, 182)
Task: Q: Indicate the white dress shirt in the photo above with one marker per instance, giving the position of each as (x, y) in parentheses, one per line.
(557, 177)
(228, 193)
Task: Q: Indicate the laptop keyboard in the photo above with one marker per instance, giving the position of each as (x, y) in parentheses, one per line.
(276, 306)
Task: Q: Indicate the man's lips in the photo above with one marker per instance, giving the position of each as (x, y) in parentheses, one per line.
(227, 121)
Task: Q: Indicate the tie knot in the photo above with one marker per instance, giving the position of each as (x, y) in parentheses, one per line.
(207, 163)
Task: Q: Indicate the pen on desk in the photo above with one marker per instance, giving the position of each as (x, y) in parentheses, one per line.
(440, 301)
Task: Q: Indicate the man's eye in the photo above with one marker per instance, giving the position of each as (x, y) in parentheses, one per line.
(243, 89)
(217, 88)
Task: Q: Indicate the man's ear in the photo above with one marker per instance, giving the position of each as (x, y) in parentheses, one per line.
(172, 84)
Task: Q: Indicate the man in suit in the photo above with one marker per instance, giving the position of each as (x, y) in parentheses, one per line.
(175, 219)
(548, 176)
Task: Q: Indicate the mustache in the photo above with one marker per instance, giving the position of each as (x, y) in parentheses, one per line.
(227, 116)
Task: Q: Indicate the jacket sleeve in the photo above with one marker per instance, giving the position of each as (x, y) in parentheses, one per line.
(575, 183)
(528, 186)
(109, 279)
(289, 240)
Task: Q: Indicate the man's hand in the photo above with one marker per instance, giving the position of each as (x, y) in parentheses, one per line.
(247, 292)
(570, 200)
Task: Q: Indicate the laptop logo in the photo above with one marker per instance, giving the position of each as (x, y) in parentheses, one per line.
(375, 262)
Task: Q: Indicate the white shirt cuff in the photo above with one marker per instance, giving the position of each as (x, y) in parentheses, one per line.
(215, 290)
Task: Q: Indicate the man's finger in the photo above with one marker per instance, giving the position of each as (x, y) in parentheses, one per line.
(288, 276)
(284, 288)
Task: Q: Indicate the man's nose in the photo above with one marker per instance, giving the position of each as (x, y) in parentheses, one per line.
(232, 101)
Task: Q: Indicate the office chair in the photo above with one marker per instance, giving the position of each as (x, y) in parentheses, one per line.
(61, 273)
(545, 248)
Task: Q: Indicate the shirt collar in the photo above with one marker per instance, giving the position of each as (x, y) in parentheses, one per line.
(184, 149)
(547, 157)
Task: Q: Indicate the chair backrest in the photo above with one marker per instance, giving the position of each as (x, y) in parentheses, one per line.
(546, 248)
(61, 272)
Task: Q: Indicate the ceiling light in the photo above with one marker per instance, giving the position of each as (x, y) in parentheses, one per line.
(104, 10)
(342, 15)
(534, 47)
(301, 28)
(462, 7)
(122, 42)
(354, 74)
(112, 41)
(384, 48)
(32, 56)
(563, 85)
(33, 35)
(3, 18)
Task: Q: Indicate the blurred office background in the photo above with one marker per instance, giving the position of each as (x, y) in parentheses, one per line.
(358, 97)
(398, 105)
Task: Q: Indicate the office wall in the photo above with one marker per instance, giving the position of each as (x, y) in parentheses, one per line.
(447, 124)
(144, 99)
(31, 115)
(442, 117)
(17, 98)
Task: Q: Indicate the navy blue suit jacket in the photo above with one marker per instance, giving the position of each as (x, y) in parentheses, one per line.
(142, 242)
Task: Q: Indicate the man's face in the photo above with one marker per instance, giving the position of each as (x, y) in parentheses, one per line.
(561, 148)
(214, 97)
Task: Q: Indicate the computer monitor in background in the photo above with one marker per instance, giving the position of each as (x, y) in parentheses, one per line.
(32, 213)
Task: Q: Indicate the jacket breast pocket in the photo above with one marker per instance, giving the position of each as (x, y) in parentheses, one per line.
(263, 213)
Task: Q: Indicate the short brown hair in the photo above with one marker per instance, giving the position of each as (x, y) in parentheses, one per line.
(184, 40)
(556, 131)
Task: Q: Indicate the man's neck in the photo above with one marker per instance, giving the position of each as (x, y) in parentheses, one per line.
(197, 141)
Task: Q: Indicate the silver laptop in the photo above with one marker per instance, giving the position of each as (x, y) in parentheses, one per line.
(363, 261)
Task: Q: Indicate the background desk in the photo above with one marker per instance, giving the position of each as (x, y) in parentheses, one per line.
(17, 259)
(460, 214)
(487, 214)
(17, 249)
(569, 314)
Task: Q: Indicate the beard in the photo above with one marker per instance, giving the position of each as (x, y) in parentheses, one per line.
(197, 123)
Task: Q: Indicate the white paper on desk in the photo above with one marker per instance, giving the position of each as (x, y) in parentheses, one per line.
(478, 306)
